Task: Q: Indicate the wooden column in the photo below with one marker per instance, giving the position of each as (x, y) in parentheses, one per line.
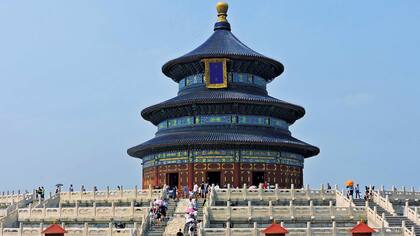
(236, 175)
(156, 182)
(190, 175)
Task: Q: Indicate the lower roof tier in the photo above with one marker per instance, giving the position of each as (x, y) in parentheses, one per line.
(222, 102)
(215, 139)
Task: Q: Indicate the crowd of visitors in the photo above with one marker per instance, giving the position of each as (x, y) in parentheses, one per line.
(197, 190)
(353, 191)
(191, 216)
(158, 211)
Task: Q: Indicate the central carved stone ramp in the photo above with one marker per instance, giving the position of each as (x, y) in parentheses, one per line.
(159, 229)
(393, 221)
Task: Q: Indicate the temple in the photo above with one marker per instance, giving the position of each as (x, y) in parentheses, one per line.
(223, 127)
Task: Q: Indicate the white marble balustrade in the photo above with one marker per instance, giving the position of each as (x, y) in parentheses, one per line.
(112, 195)
(329, 231)
(285, 212)
(82, 213)
(402, 194)
(238, 194)
(84, 231)
(383, 202)
(412, 213)
(14, 198)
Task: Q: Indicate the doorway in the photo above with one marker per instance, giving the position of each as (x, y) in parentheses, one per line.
(257, 178)
(213, 177)
(172, 179)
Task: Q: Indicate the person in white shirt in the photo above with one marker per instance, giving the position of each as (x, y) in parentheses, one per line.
(195, 189)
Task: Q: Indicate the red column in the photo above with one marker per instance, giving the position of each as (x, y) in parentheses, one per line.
(236, 175)
(190, 175)
(156, 176)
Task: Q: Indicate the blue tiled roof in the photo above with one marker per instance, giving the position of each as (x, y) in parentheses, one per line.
(196, 139)
(222, 43)
(223, 96)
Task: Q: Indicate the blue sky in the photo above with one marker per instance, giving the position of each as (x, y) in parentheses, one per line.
(74, 76)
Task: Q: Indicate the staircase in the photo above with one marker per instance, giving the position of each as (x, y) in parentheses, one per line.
(393, 221)
(157, 229)
(200, 209)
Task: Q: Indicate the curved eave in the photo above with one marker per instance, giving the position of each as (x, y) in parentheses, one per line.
(188, 65)
(193, 140)
(222, 97)
(222, 43)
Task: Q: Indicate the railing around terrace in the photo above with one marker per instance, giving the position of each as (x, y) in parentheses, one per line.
(341, 200)
(82, 213)
(412, 213)
(112, 195)
(383, 202)
(400, 194)
(374, 218)
(284, 212)
(309, 230)
(14, 198)
(237, 194)
(72, 231)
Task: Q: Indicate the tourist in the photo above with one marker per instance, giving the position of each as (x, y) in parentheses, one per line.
(191, 230)
(202, 190)
(174, 192)
(57, 190)
(38, 193)
(195, 189)
(195, 203)
(82, 189)
(328, 186)
(190, 203)
(351, 190)
(216, 187)
(42, 192)
(357, 190)
(180, 233)
(95, 189)
(206, 189)
(71, 188)
(185, 191)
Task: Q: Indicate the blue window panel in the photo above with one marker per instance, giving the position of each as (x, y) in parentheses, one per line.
(292, 156)
(172, 123)
(163, 125)
(182, 84)
(185, 121)
(230, 76)
(187, 80)
(252, 120)
(197, 79)
(173, 154)
(279, 123)
(215, 119)
(194, 79)
(242, 78)
(148, 158)
(180, 122)
(260, 81)
(249, 78)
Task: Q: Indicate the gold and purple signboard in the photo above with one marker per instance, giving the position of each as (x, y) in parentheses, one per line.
(215, 72)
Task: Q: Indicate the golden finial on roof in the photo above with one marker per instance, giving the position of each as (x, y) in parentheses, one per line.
(222, 8)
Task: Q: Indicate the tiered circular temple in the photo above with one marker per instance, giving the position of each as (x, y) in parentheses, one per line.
(223, 127)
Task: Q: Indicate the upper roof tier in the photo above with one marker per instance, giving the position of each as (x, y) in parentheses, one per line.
(223, 44)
